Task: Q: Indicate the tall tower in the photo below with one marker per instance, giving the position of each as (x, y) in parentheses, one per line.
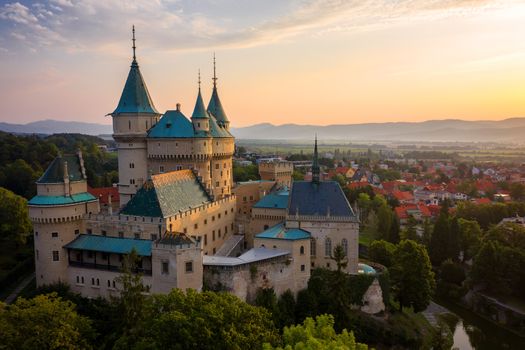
(133, 117)
(56, 213)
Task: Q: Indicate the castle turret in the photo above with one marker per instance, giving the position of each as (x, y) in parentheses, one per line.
(133, 117)
(56, 213)
(215, 105)
(200, 118)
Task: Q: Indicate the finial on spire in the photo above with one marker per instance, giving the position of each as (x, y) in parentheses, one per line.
(199, 79)
(214, 72)
(134, 47)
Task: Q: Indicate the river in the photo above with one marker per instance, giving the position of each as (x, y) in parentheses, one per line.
(474, 332)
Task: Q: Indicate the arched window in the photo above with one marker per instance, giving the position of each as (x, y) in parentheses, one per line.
(344, 243)
(301, 250)
(313, 247)
(328, 247)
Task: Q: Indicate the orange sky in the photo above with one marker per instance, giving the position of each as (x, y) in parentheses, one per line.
(313, 62)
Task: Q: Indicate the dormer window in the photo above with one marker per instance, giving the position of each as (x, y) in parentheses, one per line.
(168, 125)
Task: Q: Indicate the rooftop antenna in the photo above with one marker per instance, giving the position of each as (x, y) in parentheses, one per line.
(134, 47)
(214, 73)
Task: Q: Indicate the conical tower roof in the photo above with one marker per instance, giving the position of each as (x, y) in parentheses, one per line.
(215, 105)
(135, 97)
(315, 164)
(199, 112)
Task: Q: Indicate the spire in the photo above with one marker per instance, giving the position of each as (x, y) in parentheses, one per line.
(199, 112)
(135, 97)
(134, 47)
(315, 164)
(214, 73)
(215, 105)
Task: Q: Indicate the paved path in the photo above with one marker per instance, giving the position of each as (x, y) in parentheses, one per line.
(432, 311)
(19, 288)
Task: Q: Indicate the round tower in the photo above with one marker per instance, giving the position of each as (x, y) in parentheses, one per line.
(56, 213)
(133, 117)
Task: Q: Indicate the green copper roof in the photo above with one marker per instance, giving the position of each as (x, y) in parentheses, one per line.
(166, 195)
(279, 231)
(172, 125)
(114, 245)
(216, 130)
(273, 201)
(216, 109)
(55, 171)
(135, 96)
(199, 112)
(62, 200)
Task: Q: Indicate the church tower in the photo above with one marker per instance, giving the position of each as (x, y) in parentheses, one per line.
(133, 117)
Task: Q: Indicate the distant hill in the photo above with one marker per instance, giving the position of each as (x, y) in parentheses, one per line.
(56, 127)
(448, 130)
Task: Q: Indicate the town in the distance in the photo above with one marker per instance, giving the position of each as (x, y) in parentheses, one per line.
(396, 242)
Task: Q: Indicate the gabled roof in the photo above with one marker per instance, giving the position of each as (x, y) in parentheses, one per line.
(166, 195)
(103, 193)
(135, 97)
(55, 171)
(199, 112)
(116, 245)
(215, 107)
(279, 231)
(308, 198)
(172, 125)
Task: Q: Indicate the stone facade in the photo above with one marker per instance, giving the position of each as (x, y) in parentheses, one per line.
(278, 171)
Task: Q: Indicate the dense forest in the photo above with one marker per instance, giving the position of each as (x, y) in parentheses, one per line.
(23, 159)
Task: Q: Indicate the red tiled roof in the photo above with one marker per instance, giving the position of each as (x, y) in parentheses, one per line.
(354, 185)
(482, 201)
(102, 194)
(403, 195)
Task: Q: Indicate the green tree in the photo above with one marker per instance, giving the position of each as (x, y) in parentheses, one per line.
(20, 178)
(385, 220)
(470, 238)
(318, 334)
(410, 231)
(207, 320)
(131, 304)
(394, 235)
(517, 191)
(14, 217)
(44, 322)
(382, 252)
(411, 274)
(297, 175)
(371, 226)
(340, 179)
(286, 309)
(439, 241)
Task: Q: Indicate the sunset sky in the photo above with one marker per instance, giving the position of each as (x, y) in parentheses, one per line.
(304, 62)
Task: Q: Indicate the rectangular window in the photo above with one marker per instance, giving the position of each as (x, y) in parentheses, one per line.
(121, 234)
(213, 218)
(161, 168)
(216, 166)
(217, 184)
(185, 230)
(213, 235)
(104, 233)
(78, 279)
(225, 230)
(105, 256)
(205, 221)
(90, 255)
(302, 268)
(153, 237)
(137, 235)
(54, 234)
(219, 215)
(55, 255)
(89, 231)
(189, 266)
(165, 268)
(196, 226)
(206, 239)
(77, 232)
(37, 254)
(36, 233)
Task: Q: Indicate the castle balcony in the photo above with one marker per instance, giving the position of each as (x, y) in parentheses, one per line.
(108, 253)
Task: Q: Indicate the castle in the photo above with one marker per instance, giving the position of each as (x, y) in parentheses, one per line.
(181, 213)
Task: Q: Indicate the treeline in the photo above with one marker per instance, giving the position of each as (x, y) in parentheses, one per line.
(23, 159)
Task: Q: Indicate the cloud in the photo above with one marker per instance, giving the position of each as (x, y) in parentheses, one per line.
(92, 25)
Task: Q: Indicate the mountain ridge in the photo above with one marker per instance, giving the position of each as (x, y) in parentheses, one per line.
(445, 130)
